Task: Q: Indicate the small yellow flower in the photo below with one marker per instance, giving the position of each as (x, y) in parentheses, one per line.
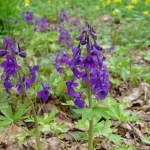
(134, 1)
(129, 7)
(17, 7)
(145, 12)
(49, 1)
(147, 2)
(108, 2)
(116, 11)
(66, 3)
(117, 1)
(26, 3)
(97, 7)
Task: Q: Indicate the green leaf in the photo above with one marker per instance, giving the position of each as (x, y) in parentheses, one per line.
(124, 74)
(115, 138)
(52, 115)
(101, 112)
(69, 102)
(8, 112)
(87, 113)
(22, 110)
(3, 95)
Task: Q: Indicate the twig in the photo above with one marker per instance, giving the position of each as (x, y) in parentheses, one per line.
(139, 134)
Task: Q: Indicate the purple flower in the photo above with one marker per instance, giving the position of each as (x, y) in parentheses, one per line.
(8, 43)
(63, 16)
(100, 95)
(99, 79)
(97, 46)
(33, 72)
(21, 53)
(42, 23)
(27, 83)
(3, 52)
(10, 66)
(64, 59)
(7, 84)
(43, 94)
(78, 102)
(111, 48)
(70, 84)
(27, 16)
(16, 21)
(89, 62)
(64, 36)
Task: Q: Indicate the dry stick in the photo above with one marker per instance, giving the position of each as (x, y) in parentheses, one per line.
(139, 134)
(33, 111)
(90, 132)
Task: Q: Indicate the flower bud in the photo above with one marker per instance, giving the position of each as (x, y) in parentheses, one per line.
(79, 37)
(3, 53)
(22, 54)
(97, 46)
(93, 34)
(83, 41)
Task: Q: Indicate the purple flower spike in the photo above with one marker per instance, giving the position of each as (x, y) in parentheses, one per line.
(3, 52)
(43, 94)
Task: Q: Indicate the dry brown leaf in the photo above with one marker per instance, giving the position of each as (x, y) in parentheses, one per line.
(11, 130)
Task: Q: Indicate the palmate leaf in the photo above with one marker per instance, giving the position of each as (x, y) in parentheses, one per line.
(104, 128)
(22, 110)
(122, 115)
(8, 113)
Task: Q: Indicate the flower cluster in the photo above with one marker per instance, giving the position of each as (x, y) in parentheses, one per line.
(27, 16)
(9, 65)
(62, 58)
(63, 16)
(10, 69)
(41, 23)
(64, 36)
(93, 61)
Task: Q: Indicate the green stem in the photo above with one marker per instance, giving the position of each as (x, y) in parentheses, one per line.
(33, 112)
(90, 132)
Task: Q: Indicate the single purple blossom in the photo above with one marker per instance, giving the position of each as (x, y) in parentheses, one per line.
(89, 62)
(10, 66)
(16, 21)
(111, 48)
(43, 94)
(27, 84)
(78, 102)
(7, 84)
(3, 52)
(70, 84)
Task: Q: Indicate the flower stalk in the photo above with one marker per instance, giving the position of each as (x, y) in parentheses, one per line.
(37, 134)
(90, 132)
